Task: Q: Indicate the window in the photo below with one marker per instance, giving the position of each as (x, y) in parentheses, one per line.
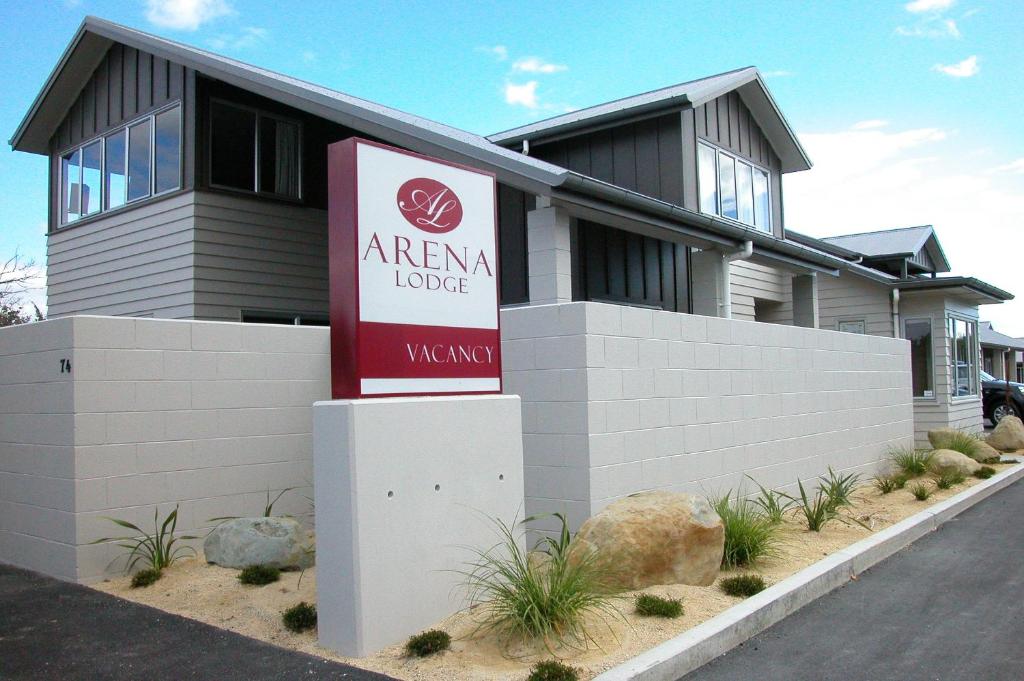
(963, 357)
(254, 151)
(140, 159)
(733, 188)
(919, 333)
(852, 326)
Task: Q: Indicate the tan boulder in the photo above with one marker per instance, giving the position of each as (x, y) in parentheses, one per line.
(1008, 435)
(942, 438)
(657, 538)
(948, 461)
(984, 452)
(939, 438)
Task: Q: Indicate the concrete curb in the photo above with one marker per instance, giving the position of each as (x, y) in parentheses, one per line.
(701, 644)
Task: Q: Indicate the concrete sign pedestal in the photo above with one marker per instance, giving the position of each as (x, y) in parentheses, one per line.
(402, 487)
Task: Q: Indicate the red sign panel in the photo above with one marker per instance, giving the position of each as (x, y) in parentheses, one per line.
(413, 274)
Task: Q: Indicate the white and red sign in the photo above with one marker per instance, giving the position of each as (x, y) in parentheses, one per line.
(413, 274)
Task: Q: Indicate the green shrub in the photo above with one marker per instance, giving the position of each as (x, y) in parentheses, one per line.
(749, 535)
(743, 586)
(553, 670)
(554, 599)
(921, 491)
(299, 617)
(948, 480)
(985, 472)
(145, 577)
(818, 511)
(773, 504)
(258, 575)
(838, 488)
(428, 643)
(889, 483)
(649, 605)
(913, 462)
(157, 550)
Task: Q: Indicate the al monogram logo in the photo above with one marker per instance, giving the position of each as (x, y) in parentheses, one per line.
(429, 205)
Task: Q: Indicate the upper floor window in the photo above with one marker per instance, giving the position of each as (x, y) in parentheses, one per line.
(254, 151)
(137, 160)
(733, 187)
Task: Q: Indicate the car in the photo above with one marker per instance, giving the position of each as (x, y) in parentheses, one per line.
(993, 395)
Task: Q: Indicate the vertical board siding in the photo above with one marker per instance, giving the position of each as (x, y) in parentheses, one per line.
(512, 246)
(135, 262)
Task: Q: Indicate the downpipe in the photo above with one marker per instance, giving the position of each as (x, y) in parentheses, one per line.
(896, 314)
(743, 253)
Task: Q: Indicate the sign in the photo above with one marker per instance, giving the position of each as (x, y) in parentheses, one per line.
(413, 274)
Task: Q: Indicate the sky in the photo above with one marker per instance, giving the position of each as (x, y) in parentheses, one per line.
(910, 111)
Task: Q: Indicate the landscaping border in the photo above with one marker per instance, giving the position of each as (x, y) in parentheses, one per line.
(706, 641)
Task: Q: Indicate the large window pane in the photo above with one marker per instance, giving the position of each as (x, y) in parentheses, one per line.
(115, 178)
(762, 210)
(963, 358)
(919, 333)
(727, 185)
(232, 147)
(167, 138)
(70, 181)
(138, 160)
(745, 193)
(279, 157)
(708, 179)
(92, 173)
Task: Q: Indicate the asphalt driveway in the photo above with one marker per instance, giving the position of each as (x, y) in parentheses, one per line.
(66, 632)
(949, 607)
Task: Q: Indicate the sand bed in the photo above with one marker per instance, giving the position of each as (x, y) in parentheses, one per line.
(213, 595)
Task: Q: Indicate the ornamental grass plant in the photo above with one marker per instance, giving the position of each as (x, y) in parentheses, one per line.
(749, 534)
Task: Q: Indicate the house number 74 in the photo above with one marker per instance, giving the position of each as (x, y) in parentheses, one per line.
(65, 366)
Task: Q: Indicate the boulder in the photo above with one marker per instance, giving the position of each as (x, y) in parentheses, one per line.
(939, 437)
(980, 451)
(948, 461)
(1008, 435)
(656, 538)
(277, 542)
(984, 452)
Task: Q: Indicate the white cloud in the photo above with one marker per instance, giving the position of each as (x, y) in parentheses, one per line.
(522, 95)
(537, 65)
(250, 36)
(499, 52)
(870, 124)
(185, 15)
(921, 6)
(964, 69)
(780, 73)
(1015, 167)
(931, 27)
(878, 179)
(309, 56)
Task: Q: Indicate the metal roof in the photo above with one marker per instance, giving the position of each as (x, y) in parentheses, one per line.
(989, 336)
(747, 81)
(976, 288)
(900, 242)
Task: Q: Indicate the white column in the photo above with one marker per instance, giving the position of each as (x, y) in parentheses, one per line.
(550, 260)
(709, 271)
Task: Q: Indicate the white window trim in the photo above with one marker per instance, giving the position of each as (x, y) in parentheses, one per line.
(975, 350)
(770, 227)
(101, 138)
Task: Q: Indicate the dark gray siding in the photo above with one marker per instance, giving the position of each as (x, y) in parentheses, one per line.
(645, 156)
(727, 123)
(512, 246)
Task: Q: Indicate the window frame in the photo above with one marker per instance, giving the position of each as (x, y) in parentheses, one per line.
(931, 357)
(974, 379)
(858, 320)
(101, 137)
(259, 113)
(736, 158)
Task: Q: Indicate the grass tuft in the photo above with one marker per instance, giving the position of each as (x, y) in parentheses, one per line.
(554, 600)
(145, 577)
(838, 488)
(749, 535)
(428, 643)
(921, 491)
(817, 511)
(649, 605)
(889, 483)
(948, 480)
(553, 670)
(961, 441)
(772, 504)
(155, 550)
(743, 586)
(913, 462)
(985, 472)
(299, 617)
(258, 575)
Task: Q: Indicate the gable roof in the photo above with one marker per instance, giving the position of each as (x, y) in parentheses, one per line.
(746, 81)
(989, 336)
(900, 242)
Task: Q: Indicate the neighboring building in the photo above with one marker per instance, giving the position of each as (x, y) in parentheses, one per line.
(894, 290)
(1001, 355)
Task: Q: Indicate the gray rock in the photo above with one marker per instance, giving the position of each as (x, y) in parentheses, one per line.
(277, 542)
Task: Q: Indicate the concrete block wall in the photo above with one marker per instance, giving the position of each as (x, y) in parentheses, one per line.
(154, 413)
(619, 399)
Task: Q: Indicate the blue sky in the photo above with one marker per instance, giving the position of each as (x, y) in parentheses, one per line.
(910, 110)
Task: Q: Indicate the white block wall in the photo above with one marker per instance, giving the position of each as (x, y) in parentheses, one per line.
(619, 399)
(210, 415)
